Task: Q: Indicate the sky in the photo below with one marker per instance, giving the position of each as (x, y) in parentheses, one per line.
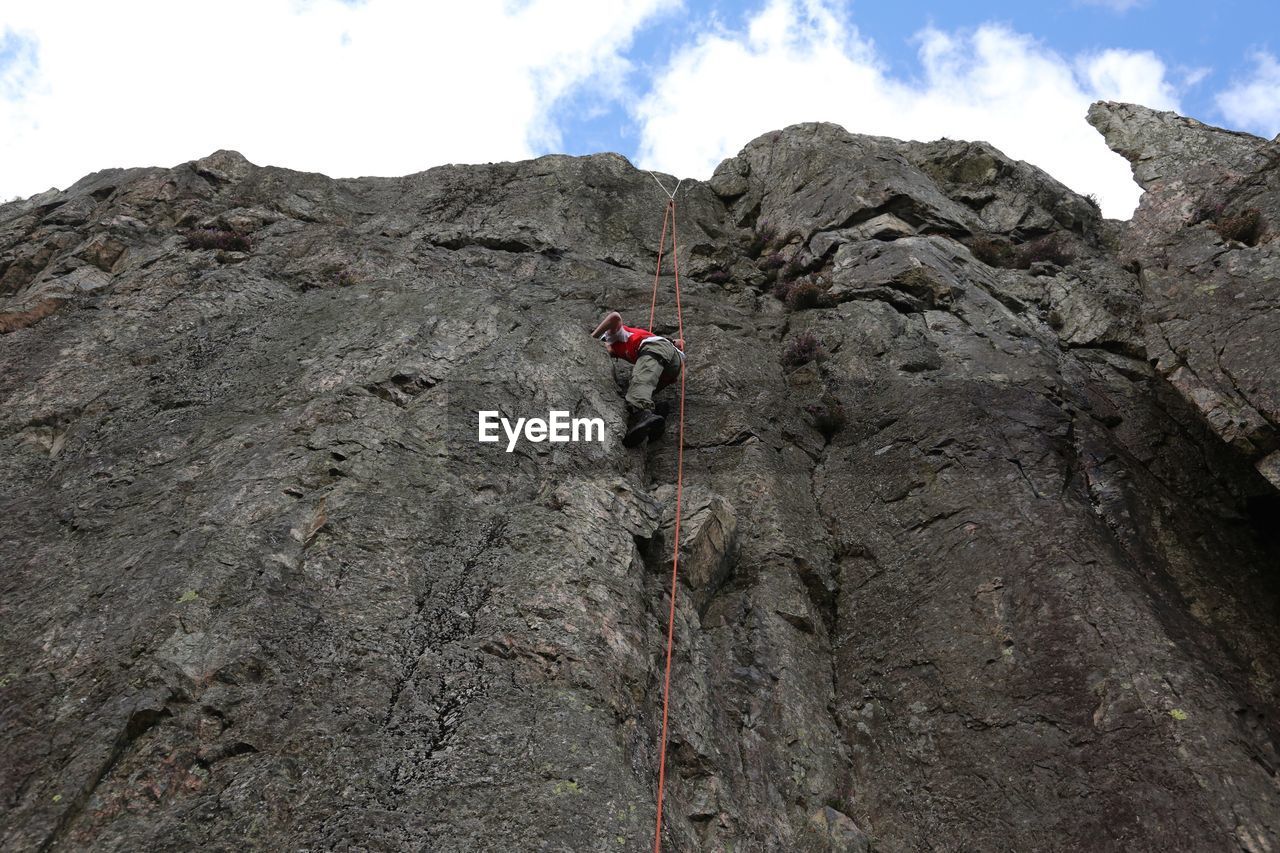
(391, 87)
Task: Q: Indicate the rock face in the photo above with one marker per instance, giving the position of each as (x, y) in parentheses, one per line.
(983, 575)
(1204, 241)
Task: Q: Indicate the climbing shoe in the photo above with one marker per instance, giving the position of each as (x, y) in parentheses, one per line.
(640, 425)
(659, 426)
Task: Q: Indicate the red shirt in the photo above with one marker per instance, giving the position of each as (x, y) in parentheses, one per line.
(625, 342)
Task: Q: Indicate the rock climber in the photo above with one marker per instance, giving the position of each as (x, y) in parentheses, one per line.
(657, 363)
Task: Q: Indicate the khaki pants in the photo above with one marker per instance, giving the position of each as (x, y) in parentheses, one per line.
(657, 365)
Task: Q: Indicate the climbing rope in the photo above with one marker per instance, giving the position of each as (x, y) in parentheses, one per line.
(670, 218)
(662, 242)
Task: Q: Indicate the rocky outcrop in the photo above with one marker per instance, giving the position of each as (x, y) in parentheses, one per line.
(978, 576)
(1203, 241)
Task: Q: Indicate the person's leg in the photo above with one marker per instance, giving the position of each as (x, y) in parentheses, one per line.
(670, 358)
(671, 367)
(644, 380)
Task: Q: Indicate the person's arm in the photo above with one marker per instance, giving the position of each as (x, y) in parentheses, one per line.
(611, 323)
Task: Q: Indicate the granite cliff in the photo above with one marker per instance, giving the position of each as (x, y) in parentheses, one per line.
(980, 508)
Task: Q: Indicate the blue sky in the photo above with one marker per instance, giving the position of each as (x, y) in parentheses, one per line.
(1215, 39)
(388, 87)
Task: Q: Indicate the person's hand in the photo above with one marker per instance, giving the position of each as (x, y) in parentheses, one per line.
(679, 342)
(611, 322)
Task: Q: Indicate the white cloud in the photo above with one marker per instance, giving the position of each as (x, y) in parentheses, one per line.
(383, 87)
(802, 61)
(1194, 76)
(1124, 75)
(17, 63)
(1254, 103)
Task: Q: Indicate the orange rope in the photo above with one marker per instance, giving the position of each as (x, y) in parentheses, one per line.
(662, 242)
(675, 548)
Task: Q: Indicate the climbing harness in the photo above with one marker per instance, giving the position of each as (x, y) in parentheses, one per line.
(670, 217)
